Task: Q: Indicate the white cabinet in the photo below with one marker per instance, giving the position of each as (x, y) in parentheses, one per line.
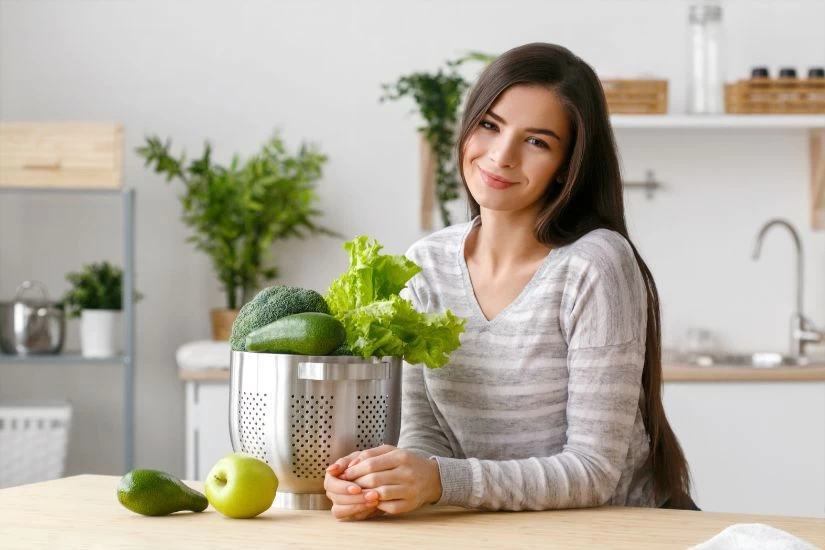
(753, 447)
(207, 426)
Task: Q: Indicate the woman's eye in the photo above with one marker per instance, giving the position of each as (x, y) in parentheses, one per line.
(538, 143)
(487, 125)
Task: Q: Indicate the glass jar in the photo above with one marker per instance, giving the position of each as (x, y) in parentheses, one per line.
(816, 77)
(788, 96)
(706, 91)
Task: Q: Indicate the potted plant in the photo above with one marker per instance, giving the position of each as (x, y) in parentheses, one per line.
(96, 296)
(438, 97)
(237, 211)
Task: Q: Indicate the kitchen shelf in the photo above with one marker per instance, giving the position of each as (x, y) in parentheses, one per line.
(127, 358)
(71, 358)
(683, 122)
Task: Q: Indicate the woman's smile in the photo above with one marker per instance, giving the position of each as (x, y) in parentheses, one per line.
(495, 181)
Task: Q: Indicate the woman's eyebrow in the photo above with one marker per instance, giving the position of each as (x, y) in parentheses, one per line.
(542, 131)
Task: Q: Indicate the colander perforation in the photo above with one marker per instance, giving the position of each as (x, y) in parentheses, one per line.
(252, 419)
(371, 413)
(311, 435)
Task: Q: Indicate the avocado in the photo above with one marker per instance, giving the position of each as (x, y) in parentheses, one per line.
(156, 493)
(302, 334)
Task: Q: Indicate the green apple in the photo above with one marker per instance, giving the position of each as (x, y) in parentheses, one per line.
(241, 486)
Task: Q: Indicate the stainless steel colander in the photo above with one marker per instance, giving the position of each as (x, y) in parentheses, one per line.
(300, 413)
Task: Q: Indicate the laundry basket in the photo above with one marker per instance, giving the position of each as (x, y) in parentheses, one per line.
(300, 413)
(33, 440)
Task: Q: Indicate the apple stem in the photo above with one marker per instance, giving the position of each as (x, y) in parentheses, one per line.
(219, 479)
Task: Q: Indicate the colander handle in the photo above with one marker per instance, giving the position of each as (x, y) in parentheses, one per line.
(343, 371)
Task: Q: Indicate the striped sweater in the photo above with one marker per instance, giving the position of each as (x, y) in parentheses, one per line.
(540, 407)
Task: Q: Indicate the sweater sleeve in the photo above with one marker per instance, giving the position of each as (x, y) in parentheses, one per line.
(603, 319)
(420, 430)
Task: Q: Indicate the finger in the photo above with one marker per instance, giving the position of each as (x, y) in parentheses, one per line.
(376, 451)
(387, 493)
(375, 464)
(334, 485)
(363, 498)
(341, 464)
(375, 512)
(396, 506)
(348, 511)
(376, 479)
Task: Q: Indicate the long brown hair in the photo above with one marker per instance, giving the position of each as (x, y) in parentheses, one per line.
(589, 198)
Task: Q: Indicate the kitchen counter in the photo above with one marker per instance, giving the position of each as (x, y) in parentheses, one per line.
(671, 373)
(690, 373)
(83, 512)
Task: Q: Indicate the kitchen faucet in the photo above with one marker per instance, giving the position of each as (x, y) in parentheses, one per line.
(802, 332)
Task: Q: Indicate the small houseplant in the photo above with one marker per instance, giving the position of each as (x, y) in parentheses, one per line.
(237, 211)
(96, 297)
(438, 97)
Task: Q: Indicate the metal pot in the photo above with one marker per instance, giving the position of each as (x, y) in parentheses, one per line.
(30, 326)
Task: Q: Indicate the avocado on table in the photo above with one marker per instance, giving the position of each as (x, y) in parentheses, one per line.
(301, 334)
(156, 493)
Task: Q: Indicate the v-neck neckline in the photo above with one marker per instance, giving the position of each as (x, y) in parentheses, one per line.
(469, 291)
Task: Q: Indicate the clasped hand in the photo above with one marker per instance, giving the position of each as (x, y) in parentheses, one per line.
(381, 480)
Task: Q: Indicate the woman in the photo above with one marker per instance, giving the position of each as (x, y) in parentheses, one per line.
(554, 398)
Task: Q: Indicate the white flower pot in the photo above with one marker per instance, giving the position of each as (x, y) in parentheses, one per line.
(100, 332)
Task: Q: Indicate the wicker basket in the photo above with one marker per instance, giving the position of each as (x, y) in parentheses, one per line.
(33, 441)
(776, 96)
(637, 97)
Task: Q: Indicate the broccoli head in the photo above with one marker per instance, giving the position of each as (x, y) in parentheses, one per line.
(269, 305)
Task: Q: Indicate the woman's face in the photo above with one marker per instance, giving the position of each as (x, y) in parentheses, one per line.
(517, 149)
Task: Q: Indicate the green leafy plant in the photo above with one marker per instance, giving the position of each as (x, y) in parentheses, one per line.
(438, 97)
(238, 211)
(95, 286)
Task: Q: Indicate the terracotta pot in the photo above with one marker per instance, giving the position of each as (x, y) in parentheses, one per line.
(222, 320)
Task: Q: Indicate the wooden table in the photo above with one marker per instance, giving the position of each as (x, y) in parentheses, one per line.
(83, 512)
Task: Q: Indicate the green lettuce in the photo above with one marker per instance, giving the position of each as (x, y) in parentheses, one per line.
(378, 321)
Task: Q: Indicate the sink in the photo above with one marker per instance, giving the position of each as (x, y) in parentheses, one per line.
(765, 360)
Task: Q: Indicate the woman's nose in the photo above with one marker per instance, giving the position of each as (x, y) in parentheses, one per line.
(504, 153)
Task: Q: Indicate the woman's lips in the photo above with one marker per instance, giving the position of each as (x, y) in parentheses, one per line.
(495, 181)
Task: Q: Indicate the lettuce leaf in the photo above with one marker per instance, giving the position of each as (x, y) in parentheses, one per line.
(378, 321)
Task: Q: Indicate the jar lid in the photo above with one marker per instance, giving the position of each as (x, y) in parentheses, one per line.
(759, 72)
(787, 72)
(816, 72)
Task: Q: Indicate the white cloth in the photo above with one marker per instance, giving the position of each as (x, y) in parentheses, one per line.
(204, 354)
(754, 536)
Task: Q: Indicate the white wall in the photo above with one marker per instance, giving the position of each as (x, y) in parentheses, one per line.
(233, 71)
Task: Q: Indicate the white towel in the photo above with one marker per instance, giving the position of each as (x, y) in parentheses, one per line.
(754, 536)
(204, 354)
